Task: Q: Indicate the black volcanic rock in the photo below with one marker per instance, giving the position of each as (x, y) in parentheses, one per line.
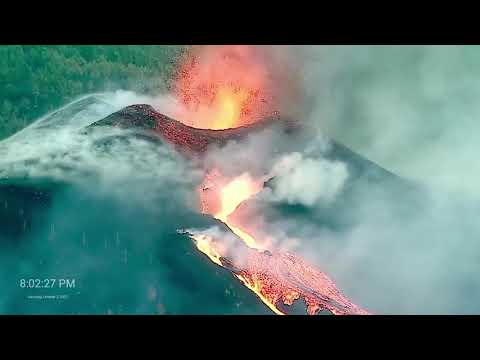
(135, 116)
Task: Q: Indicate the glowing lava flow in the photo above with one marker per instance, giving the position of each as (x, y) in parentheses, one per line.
(278, 278)
(256, 287)
(231, 196)
(221, 196)
(204, 244)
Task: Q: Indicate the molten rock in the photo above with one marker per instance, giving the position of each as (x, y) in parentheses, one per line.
(278, 278)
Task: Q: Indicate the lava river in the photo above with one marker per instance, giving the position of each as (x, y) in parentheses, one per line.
(277, 277)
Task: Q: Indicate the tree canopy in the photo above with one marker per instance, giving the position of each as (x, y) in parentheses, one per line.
(35, 79)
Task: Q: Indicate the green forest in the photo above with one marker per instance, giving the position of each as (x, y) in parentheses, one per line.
(35, 79)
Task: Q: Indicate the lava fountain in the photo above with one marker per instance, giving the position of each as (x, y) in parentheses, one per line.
(223, 87)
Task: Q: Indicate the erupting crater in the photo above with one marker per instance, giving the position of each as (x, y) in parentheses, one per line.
(224, 87)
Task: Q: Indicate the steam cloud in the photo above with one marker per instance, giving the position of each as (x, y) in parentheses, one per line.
(307, 181)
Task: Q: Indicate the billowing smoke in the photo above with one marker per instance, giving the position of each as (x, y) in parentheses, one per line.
(306, 181)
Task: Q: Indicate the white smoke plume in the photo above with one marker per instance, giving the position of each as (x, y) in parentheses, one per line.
(307, 181)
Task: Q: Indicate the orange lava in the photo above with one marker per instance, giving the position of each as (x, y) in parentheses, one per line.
(221, 196)
(222, 87)
(279, 278)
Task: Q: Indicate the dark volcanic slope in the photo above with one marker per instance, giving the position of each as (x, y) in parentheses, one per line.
(181, 136)
(20, 207)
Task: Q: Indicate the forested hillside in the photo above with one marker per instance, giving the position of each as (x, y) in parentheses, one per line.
(35, 79)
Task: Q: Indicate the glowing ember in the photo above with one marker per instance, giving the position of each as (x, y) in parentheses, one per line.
(222, 87)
